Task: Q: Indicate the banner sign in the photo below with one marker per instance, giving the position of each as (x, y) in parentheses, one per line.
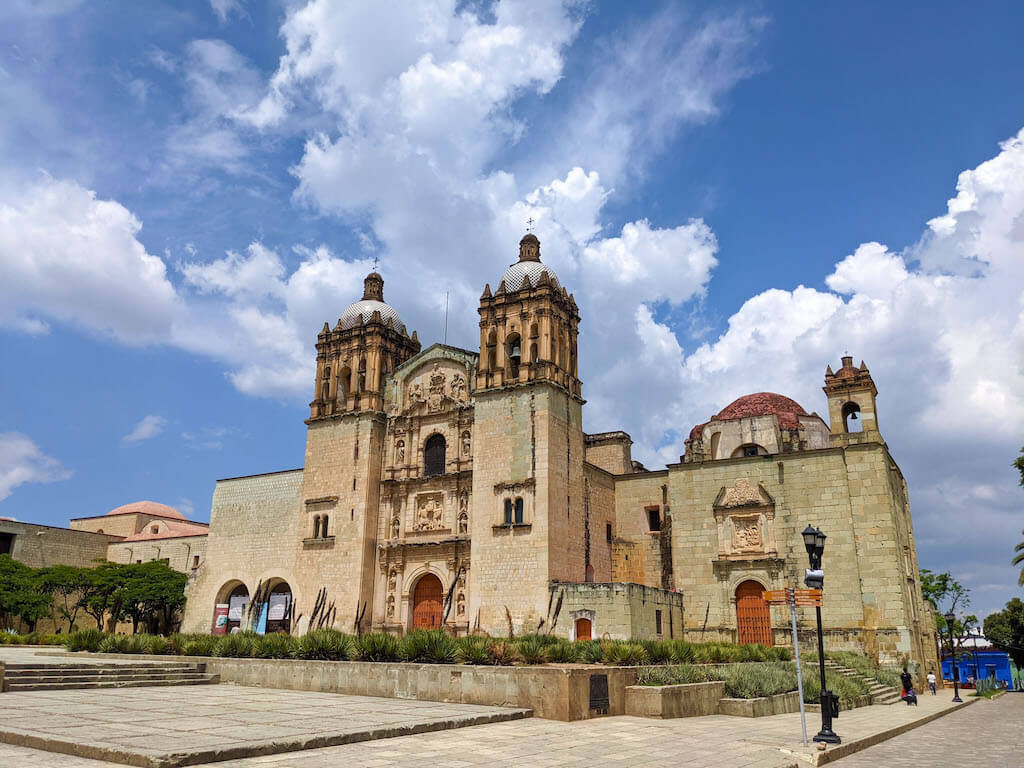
(220, 619)
(278, 606)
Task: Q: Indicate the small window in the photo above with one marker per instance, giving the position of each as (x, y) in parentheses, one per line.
(353, 483)
(750, 450)
(657, 622)
(508, 511)
(154, 529)
(607, 531)
(519, 511)
(323, 526)
(195, 561)
(316, 527)
(355, 453)
(7, 543)
(653, 519)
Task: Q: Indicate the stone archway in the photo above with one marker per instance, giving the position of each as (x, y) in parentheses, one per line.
(753, 618)
(427, 600)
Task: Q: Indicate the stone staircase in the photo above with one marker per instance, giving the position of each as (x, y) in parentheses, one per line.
(59, 677)
(879, 694)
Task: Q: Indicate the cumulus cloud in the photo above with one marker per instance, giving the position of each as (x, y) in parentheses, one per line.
(150, 426)
(22, 461)
(70, 257)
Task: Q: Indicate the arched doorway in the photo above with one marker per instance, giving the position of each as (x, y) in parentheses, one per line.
(584, 629)
(279, 608)
(426, 603)
(753, 619)
(229, 612)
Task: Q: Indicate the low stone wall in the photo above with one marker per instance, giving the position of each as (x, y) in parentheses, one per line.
(562, 692)
(858, 701)
(779, 704)
(665, 701)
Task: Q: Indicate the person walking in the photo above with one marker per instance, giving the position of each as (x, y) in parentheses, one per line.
(906, 681)
(931, 682)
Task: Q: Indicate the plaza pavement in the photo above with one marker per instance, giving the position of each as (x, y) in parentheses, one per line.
(714, 742)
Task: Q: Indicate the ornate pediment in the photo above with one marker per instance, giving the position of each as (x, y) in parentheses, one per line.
(437, 389)
(743, 493)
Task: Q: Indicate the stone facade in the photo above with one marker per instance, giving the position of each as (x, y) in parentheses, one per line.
(456, 488)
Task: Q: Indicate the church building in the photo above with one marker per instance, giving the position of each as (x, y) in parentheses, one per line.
(445, 487)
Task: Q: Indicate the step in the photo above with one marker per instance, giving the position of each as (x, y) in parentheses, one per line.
(98, 670)
(23, 687)
(103, 678)
(91, 667)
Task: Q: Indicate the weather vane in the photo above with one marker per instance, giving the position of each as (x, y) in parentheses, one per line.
(529, 224)
(375, 260)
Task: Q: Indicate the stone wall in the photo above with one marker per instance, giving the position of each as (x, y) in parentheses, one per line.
(40, 546)
(253, 522)
(618, 611)
(180, 552)
(610, 451)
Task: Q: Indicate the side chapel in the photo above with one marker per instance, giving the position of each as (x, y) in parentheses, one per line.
(455, 488)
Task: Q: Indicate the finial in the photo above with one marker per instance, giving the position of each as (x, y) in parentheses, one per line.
(373, 287)
(529, 224)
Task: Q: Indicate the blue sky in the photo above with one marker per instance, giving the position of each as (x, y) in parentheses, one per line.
(735, 193)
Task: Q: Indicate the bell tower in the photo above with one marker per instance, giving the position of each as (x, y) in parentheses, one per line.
(851, 404)
(528, 486)
(368, 342)
(528, 327)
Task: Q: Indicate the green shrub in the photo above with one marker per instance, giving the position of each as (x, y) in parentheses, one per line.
(532, 649)
(277, 645)
(473, 650)
(156, 644)
(589, 651)
(563, 652)
(198, 645)
(236, 646)
(428, 646)
(108, 644)
(378, 646)
(84, 640)
(753, 680)
(658, 651)
(780, 653)
(503, 653)
(676, 675)
(681, 652)
(624, 654)
(326, 644)
(847, 688)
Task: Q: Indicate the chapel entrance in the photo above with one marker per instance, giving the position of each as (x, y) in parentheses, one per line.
(583, 629)
(426, 603)
(753, 619)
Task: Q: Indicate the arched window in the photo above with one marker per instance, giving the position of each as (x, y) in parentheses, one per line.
(750, 449)
(519, 511)
(325, 391)
(327, 373)
(344, 382)
(852, 421)
(492, 350)
(433, 456)
(316, 527)
(323, 526)
(514, 354)
(508, 511)
(533, 353)
(362, 374)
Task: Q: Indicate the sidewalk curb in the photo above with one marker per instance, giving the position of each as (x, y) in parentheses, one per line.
(852, 747)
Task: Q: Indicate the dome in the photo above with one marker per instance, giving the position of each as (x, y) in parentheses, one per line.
(365, 308)
(514, 275)
(528, 266)
(372, 301)
(147, 508)
(764, 404)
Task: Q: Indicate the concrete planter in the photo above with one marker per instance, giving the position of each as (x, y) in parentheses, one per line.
(667, 701)
(779, 704)
(555, 692)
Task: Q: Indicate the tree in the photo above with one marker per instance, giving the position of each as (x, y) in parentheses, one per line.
(1018, 559)
(940, 589)
(21, 595)
(1005, 630)
(67, 585)
(104, 595)
(153, 593)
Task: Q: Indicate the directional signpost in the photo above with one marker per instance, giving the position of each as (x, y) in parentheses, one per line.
(793, 598)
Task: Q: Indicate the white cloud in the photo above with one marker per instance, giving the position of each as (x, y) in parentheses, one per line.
(67, 256)
(22, 461)
(224, 9)
(150, 426)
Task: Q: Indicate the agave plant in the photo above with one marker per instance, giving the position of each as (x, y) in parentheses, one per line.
(473, 650)
(503, 653)
(236, 646)
(428, 646)
(275, 646)
(326, 644)
(377, 646)
(532, 649)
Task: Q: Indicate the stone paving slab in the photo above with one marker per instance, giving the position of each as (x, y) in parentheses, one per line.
(164, 727)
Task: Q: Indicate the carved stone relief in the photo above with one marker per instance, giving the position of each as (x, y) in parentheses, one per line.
(429, 512)
(745, 515)
(458, 389)
(435, 392)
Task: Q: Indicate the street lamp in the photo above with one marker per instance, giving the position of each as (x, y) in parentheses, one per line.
(950, 618)
(814, 543)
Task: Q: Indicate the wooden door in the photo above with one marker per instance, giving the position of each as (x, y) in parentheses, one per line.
(583, 630)
(753, 619)
(426, 603)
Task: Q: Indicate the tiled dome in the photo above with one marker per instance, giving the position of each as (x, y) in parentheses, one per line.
(528, 265)
(366, 308)
(147, 508)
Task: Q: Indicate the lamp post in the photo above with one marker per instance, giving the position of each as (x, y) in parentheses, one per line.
(950, 618)
(814, 543)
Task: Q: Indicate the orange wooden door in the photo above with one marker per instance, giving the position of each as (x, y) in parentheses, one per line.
(426, 603)
(753, 620)
(583, 631)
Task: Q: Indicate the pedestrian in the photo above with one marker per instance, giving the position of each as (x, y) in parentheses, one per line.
(931, 682)
(907, 681)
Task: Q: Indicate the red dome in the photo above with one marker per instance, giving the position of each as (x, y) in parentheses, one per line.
(788, 410)
(148, 508)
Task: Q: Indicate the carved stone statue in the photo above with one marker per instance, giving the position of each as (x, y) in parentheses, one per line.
(459, 387)
(429, 514)
(460, 605)
(467, 444)
(400, 452)
(391, 606)
(463, 522)
(392, 580)
(396, 527)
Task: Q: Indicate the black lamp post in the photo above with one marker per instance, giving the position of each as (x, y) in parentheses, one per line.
(814, 543)
(950, 618)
